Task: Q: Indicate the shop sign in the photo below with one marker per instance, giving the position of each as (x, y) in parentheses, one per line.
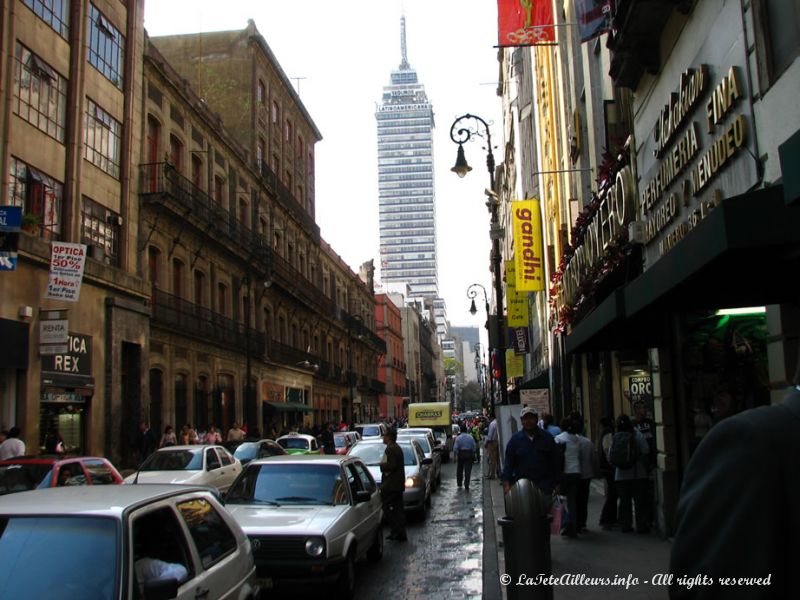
(516, 302)
(515, 364)
(272, 392)
(10, 226)
(519, 340)
(617, 209)
(77, 360)
(66, 271)
(528, 245)
(640, 387)
(695, 132)
(62, 397)
(538, 399)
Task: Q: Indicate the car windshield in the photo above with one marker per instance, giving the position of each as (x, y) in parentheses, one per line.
(294, 443)
(369, 430)
(79, 555)
(339, 441)
(424, 442)
(246, 451)
(372, 454)
(277, 484)
(20, 478)
(174, 460)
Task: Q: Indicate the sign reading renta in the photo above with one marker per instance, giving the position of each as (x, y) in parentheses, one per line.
(66, 271)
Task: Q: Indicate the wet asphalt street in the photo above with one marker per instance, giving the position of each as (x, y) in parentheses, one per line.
(442, 558)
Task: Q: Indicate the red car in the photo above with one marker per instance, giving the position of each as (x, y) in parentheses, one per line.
(36, 472)
(343, 441)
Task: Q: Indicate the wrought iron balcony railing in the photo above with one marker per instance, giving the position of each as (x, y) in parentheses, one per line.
(194, 320)
(193, 205)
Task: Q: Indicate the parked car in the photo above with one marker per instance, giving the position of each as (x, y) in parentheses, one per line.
(429, 447)
(343, 441)
(32, 472)
(308, 518)
(247, 451)
(196, 465)
(100, 542)
(371, 430)
(299, 443)
(417, 495)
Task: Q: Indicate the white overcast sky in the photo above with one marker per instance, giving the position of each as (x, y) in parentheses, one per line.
(342, 54)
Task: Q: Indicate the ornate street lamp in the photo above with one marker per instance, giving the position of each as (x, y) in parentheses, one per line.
(461, 134)
(472, 293)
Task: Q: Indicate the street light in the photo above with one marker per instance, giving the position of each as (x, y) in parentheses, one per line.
(460, 135)
(472, 293)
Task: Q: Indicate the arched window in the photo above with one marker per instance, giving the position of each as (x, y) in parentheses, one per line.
(176, 152)
(177, 278)
(153, 265)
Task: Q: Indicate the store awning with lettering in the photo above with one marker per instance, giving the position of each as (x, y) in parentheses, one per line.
(289, 406)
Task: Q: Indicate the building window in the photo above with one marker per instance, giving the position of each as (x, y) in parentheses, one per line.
(153, 265)
(197, 172)
(777, 38)
(276, 165)
(299, 148)
(39, 196)
(176, 153)
(222, 299)
(177, 277)
(287, 131)
(261, 93)
(260, 151)
(40, 93)
(101, 139)
(106, 47)
(101, 227)
(199, 288)
(53, 12)
(219, 189)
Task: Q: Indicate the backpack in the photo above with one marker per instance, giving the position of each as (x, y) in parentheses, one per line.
(624, 450)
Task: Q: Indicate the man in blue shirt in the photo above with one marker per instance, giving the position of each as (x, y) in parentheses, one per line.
(464, 450)
(531, 454)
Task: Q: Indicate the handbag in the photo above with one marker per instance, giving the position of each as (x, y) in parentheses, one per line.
(556, 514)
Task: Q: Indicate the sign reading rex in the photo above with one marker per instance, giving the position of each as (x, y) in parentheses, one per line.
(76, 361)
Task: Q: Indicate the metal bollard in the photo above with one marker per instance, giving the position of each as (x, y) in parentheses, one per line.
(526, 540)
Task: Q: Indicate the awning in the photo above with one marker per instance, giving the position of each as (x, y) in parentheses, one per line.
(539, 382)
(742, 254)
(289, 406)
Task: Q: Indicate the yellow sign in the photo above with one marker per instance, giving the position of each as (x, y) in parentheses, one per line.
(515, 364)
(517, 302)
(528, 246)
(428, 414)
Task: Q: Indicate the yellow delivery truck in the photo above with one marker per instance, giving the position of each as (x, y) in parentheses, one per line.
(435, 415)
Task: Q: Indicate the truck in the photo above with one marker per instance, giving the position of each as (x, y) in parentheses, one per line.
(435, 415)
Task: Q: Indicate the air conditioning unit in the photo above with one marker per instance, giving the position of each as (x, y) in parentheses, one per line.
(637, 232)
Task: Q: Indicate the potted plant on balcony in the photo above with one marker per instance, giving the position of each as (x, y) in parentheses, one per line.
(31, 222)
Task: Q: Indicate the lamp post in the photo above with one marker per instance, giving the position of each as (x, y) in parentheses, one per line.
(461, 134)
(472, 293)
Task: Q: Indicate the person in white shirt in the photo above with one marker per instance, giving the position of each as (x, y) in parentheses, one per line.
(571, 476)
(13, 446)
(492, 450)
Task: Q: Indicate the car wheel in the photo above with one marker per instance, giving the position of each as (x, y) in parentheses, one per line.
(346, 584)
(375, 552)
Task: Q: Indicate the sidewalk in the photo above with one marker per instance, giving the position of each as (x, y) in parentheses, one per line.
(597, 554)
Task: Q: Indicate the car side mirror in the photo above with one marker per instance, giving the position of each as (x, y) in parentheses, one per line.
(363, 496)
(427, 461)
(161, 589)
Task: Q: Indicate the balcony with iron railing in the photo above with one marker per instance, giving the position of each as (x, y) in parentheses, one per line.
(187, 318)
(288, 201)
(292, 280)
(288, 355)
(162, 183)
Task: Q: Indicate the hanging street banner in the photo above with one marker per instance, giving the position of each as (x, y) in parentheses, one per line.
(10, 225)
(594, 17)
(66, 271)
(515, 364)
(528, 246)
(516, 302)
(524, 22)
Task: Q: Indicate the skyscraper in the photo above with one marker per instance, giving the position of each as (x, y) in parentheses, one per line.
(406, 183)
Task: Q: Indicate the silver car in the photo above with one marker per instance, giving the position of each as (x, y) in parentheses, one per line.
(417, 495)
(431, 449)
(123, 542)
(309, 518)
(194, 465)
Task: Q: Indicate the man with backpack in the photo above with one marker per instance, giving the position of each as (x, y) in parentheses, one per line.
(628, 454)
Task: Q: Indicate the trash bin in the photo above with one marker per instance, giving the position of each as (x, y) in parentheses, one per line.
(526, 540)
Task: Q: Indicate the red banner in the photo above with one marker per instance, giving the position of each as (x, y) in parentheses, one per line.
(525, 22)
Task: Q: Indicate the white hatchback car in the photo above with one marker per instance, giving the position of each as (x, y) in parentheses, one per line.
(194, 465)
(309, 518)
(123, 542)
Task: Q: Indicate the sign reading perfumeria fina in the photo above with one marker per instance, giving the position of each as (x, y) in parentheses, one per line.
(695, 144)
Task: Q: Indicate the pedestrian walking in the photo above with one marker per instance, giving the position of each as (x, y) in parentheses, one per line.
(235, 434)
(646, 426)
(588, 472)
(328, 445)
(464, 450)
(531, 454)
(571, 477)
(393, 479)
(492, 447)
(169, 438)
(476, 435)
(608, 515)
(630, 474)
(146, 441)
(213, 436)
